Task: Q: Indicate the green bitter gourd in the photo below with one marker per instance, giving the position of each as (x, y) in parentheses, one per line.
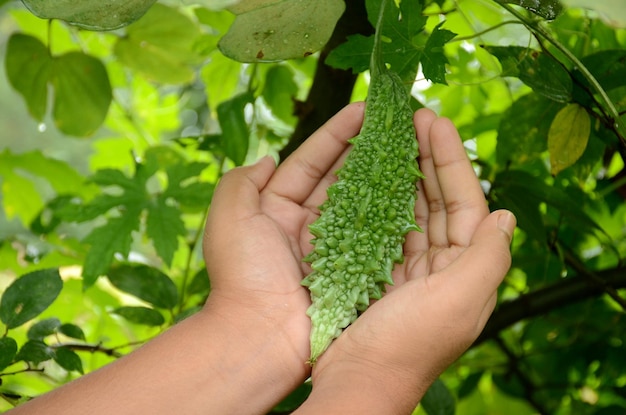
(370, 208)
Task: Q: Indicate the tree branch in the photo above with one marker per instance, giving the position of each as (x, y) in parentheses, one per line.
(567, 291)
(332, 88)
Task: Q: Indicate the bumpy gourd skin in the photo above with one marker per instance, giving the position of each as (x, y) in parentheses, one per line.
(370, 209)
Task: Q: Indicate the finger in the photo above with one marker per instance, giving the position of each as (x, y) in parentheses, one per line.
(417, 242)
(479, 270)
(237, 194)
(456, 201)
(300, 174)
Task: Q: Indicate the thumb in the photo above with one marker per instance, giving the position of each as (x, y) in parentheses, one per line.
(237, 194)
(479, 270)
(487, 259)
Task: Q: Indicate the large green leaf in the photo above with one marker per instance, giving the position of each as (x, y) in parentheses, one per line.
(185, 187)
(568, 137)
(235, 132)
(80, 82)
(28, 64)
(607, 66)
(35, 351)
(164, 226)
(523, 130)
(161, 45)
(91, 14)
(28, 296)
(527, 192)
(68, 360)
(146, 283)
(539, 71)
(438, 400)
(280, 92)
(285, 29)
(19, 172)
(401, 49)
(115, 237)
(141, 315)
(8, 350)
(43, 328)
(433, 59)
(72, 330)
(81, 86)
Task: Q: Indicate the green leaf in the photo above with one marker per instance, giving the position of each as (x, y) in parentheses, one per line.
(200, 283)
(81, 86)
(438, 400)
(568, 137)
(114, 177)
(91, 14)
(72, 330)
(400, 49)
(539, 71)
(76, 211)
(528, 190)
(400, 29)
(196, 195)
(523, 129)
(281, 30)
(68, 360)
(182, 171)
(8, 350)
(19, 196)
(433, 59)
(141, 315)
(235, 133)
(469, 384)
(28, 296)
(280, 92)
(609, 69)
(146, 283)
(28, 64)
(294, 399)
(354, 53)
(161, 45)
(115, 237)
(43, 328)
(164, 225)
(182, 188)
(548, 9)
(219, 83)
(35, 351)
(510, 384)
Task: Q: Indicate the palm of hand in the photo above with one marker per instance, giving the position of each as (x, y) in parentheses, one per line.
(271, 210)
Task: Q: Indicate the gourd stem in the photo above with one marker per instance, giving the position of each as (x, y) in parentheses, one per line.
(377, 64)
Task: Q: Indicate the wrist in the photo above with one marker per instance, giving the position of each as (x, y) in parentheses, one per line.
(351, 378)
(253, 358)
(346, 389)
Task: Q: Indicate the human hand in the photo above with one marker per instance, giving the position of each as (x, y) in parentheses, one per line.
(443, 295)
(257, 235)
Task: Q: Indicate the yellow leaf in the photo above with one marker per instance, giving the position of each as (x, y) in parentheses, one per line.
(568, 137)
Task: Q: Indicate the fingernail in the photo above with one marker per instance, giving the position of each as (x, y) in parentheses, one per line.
(262, 160)
(506, 223)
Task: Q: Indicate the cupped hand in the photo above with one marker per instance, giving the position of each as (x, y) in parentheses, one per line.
(257, 235)
(444, 291)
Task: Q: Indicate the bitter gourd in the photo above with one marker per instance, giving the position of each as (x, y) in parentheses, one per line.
(362, 226)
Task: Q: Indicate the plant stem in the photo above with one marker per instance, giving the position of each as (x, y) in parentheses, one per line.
(540, 31)
(489, 29)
